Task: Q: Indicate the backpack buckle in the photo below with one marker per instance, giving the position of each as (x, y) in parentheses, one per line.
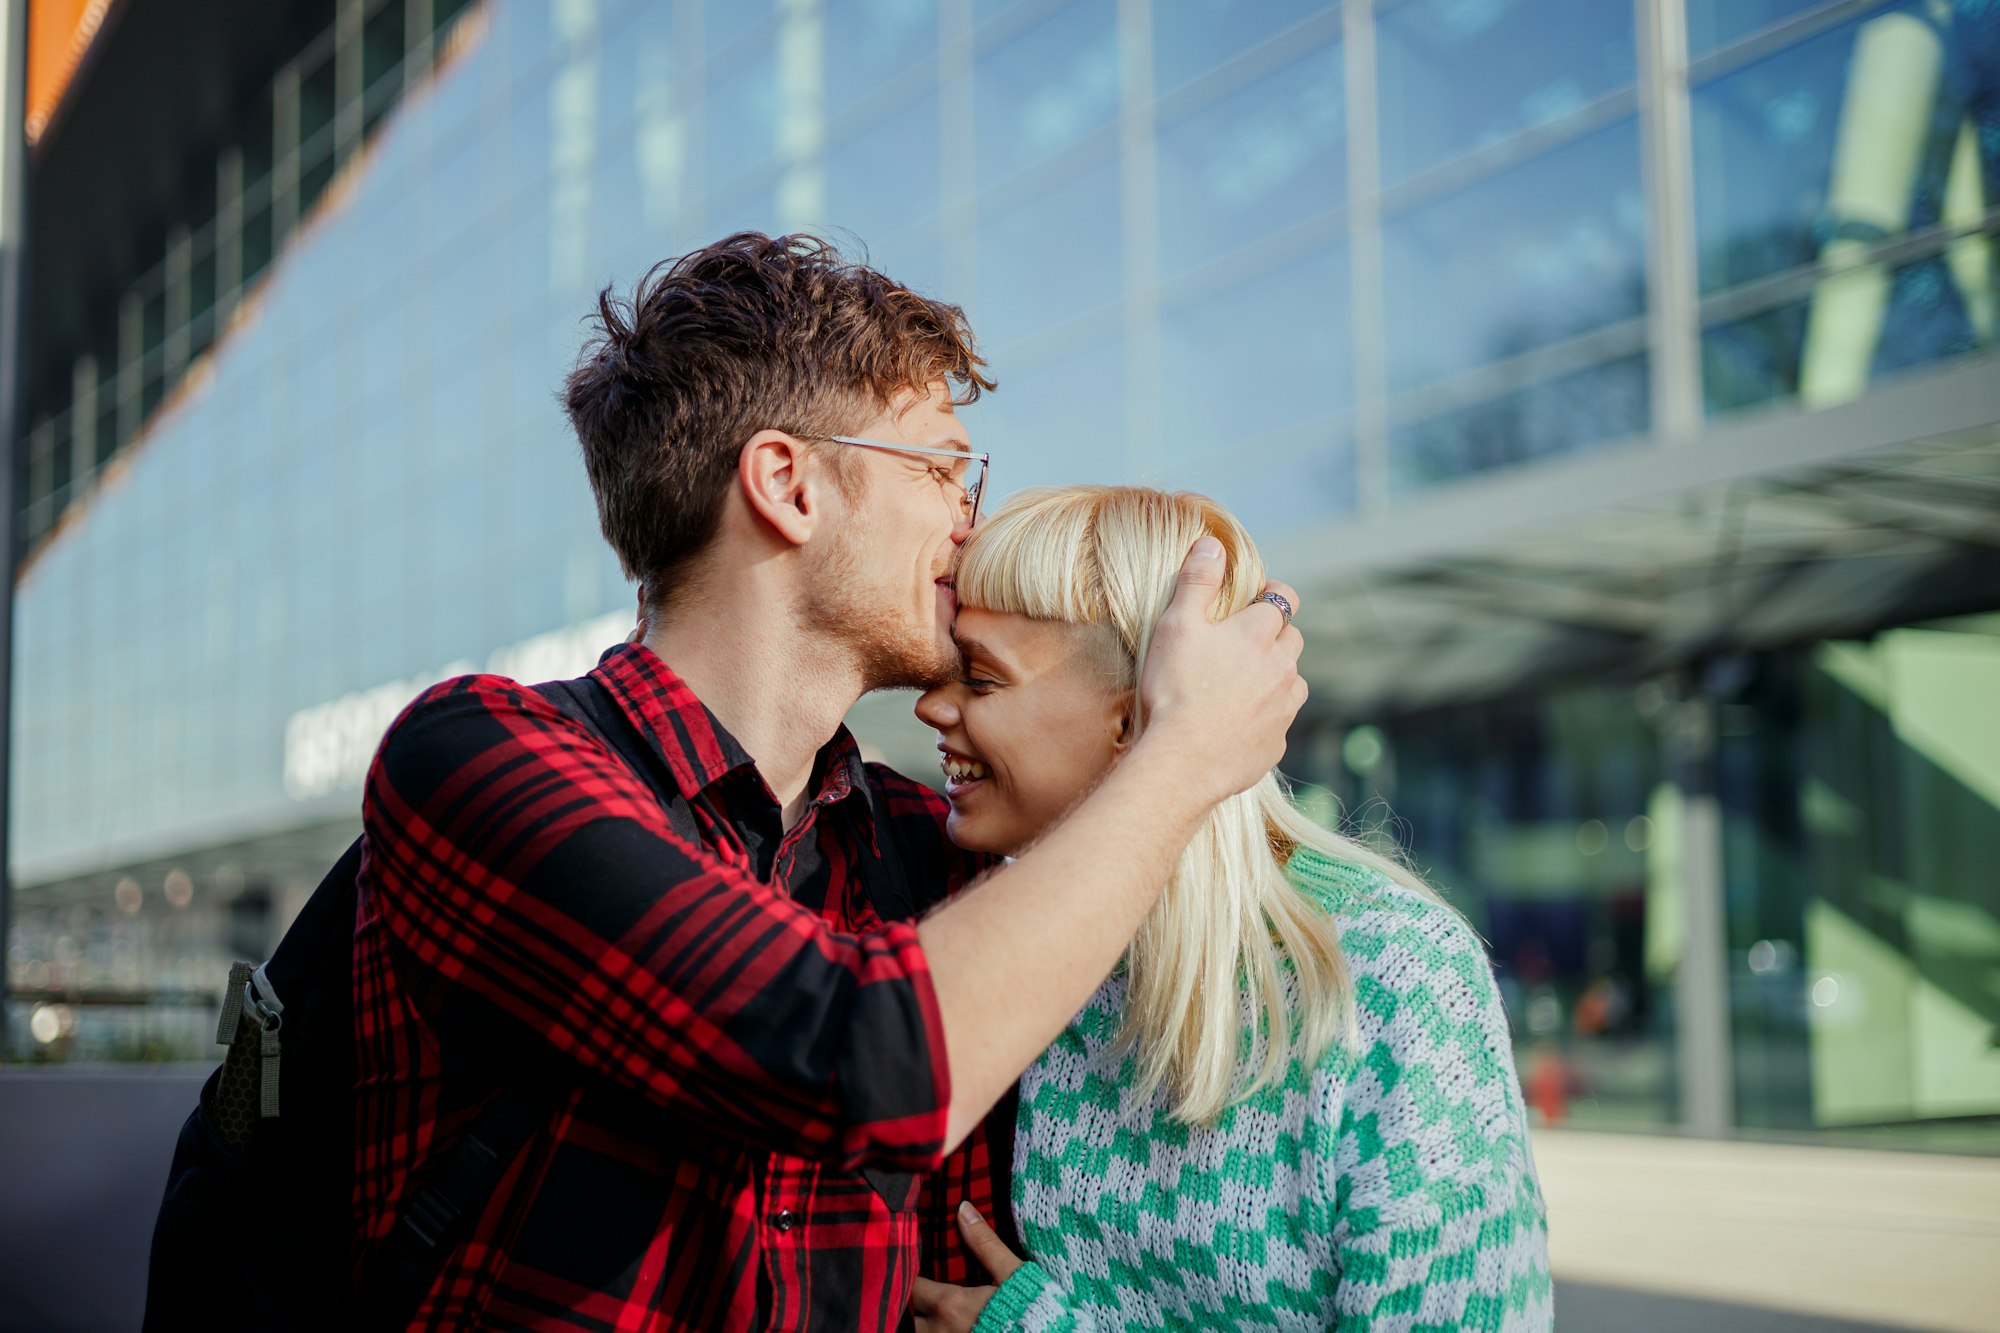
(431, 1217)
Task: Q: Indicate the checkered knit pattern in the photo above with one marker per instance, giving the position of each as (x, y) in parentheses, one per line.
(1387, 1186)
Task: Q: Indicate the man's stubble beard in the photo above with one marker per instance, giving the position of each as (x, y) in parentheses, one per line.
(872, 623)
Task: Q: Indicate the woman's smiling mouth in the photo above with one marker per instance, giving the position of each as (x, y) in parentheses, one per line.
(961, 773)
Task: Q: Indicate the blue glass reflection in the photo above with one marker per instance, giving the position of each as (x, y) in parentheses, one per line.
(724, 22)
(1048, 88)
(1596, 406)
(1254, 163)
(1059, 420)
(872, 42)
(1051, 259)
(1191, 37)
(452, 188)
(1257, 358)
(1456, 74)
(742, 120)
(1769, 154)
(1277, 492)
(1537, 254)
(884, 179)
(1716, 23)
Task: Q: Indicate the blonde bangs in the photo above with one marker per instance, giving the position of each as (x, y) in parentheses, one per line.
(1101, 555)
(1032, 558)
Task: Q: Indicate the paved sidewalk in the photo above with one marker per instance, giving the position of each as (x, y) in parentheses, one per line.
(1661, 1234)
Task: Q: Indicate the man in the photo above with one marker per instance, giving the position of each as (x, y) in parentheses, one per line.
(752, 1052)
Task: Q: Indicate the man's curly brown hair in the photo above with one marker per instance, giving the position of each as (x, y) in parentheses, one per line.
(752, 332)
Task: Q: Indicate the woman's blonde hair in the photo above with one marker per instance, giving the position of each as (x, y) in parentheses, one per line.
(1108, 556)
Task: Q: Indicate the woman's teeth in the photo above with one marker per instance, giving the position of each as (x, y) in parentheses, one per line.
(963, 770)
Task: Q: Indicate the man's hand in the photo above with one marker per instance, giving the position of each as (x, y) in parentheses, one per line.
(1220, 695)
(941, 1307)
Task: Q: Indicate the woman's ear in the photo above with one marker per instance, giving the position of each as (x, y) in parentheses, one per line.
(1124, 715)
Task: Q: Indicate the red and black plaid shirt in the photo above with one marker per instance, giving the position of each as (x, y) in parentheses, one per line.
(740, 1028)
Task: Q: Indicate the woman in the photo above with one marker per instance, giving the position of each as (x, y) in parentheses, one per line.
(1294, 1104)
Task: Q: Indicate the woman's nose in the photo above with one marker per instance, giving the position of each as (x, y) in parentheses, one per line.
(937, 708)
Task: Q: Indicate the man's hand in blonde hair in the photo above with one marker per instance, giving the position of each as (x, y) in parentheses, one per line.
(1221, 694)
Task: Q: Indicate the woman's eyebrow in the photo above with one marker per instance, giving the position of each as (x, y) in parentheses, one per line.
(974, 648)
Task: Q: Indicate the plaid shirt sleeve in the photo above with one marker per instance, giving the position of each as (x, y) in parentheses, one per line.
(978, 1169)
(540, 903)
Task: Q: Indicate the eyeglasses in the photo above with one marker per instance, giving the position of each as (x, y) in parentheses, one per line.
(972, 488)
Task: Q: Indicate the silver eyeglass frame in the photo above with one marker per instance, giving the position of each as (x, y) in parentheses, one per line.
(974, 493)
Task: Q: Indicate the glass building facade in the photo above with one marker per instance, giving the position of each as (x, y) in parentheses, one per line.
(1616, 380)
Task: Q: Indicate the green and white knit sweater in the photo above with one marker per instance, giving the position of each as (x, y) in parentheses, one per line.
(1388, 1186)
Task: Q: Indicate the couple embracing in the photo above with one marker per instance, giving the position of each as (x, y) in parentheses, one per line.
(1109, 1036)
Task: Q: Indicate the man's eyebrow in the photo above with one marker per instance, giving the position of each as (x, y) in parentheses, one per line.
(951, 442)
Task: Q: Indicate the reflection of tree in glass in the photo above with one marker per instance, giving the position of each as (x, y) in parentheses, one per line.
(1919, 101)
(1593, 406)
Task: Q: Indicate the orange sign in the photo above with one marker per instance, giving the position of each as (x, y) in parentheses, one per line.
(59, 32)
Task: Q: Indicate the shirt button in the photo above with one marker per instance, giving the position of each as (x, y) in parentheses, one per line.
(785, 1220)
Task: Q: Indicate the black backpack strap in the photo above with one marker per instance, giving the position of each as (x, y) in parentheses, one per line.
(457, 1184)
(433, 1220)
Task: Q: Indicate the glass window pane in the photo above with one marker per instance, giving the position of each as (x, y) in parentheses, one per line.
(1192, 36)
(1716, 23)
(1047, 88)
(201, 280)
(1455, 76)
(382, 43)
(724, 21)
(316, 102)
(1595, 406)
(884, 179)
(1860, 796)
(1281, 490)
(1542, 820)
(1257, 358)
(1258, 161)
(1054, 421)
(1871, 130)
(1050, 259)
(871, 42)
(256, 243)
(1537, 254)
(742, 120)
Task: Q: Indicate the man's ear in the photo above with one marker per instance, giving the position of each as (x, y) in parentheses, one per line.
(775, 474)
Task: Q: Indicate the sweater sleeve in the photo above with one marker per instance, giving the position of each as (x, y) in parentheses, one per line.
(1033, 1299)
(1439, 1220)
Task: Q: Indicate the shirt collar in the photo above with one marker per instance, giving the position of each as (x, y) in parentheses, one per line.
(697, 748)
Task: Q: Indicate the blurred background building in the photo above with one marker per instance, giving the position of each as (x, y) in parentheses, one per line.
(1617, 381)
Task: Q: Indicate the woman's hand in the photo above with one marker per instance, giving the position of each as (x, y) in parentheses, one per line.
(941, 1307)
(638, 634)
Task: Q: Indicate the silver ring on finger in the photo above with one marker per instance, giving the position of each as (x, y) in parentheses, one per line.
(1278, 600)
